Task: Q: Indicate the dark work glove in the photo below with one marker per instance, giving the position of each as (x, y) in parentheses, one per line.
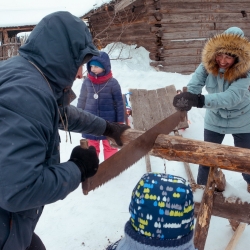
(114, 130)
(86, 160)
(186, 100)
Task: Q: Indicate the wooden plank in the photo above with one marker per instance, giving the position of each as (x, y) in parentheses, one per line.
(128, 32)
(170, 60)
(148, 111)
(201, 1)
(179, 68)
(154, 115)
(166, 105)
(198, 34)
(148, 164)
(183, 52)
(202, 18)
(124, 109)
(122, 4)
(193, 34)
(178, 27)
(99, 27)
(234, 240)
(228, 208)
(203, 7)
(167, 44)
(135, 103)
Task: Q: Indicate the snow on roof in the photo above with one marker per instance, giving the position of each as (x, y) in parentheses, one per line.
(30, 12)
(23, 17)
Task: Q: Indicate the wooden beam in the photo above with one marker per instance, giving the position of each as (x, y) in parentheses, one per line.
(205, 212)
(201, 18)
(148, 164)
(203, 7)
(228, 208)
(234, 240)
(123, 4)
(176, 148)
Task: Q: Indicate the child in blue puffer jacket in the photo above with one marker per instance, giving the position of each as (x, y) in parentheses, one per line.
(101, 95)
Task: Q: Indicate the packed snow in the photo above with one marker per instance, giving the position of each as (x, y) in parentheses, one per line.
(93, 221)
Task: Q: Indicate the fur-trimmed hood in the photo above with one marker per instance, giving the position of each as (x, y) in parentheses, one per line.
(232, 41)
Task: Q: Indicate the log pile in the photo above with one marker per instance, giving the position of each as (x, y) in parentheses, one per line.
(173, 31)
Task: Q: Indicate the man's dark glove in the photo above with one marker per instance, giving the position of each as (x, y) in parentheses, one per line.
(186, 100)
(86, 160)
(114, 130)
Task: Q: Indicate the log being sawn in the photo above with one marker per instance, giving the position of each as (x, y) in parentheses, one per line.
(175, 148)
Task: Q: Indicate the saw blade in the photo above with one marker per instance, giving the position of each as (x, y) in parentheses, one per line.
(131, 153)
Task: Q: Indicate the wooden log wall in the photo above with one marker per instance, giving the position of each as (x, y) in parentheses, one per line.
(173, 31)
(9, 49)
(9, 43)
(187, 24)
(129, 25)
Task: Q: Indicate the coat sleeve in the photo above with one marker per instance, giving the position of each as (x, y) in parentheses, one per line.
(198, 80)
(117, 96)
(81, 121)
(28, 178)
(235, 97)
(83, 96)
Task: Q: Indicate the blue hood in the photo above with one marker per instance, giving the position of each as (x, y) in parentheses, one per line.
(103, 58)
(58, 45)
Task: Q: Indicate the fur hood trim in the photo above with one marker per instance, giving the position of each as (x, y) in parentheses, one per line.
(227, 43)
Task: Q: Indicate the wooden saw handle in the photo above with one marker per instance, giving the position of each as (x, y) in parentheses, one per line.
(85, 185)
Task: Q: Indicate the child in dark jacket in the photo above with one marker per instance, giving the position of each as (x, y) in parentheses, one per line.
(101, 95)
(161, 215)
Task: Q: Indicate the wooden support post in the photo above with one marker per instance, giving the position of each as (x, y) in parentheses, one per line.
(220, 180)
(205, 212)
(187, 168)
(125, 109)
(148, 164)
(234, 240)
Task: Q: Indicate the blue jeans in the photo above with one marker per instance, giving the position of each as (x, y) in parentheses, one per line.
(240, 140)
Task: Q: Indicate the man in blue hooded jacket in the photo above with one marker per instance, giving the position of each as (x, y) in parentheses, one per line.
(35, 92)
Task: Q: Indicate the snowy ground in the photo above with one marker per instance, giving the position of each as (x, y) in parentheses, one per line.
(91, 222)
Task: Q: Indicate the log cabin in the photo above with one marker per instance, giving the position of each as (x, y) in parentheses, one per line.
(173, 31)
